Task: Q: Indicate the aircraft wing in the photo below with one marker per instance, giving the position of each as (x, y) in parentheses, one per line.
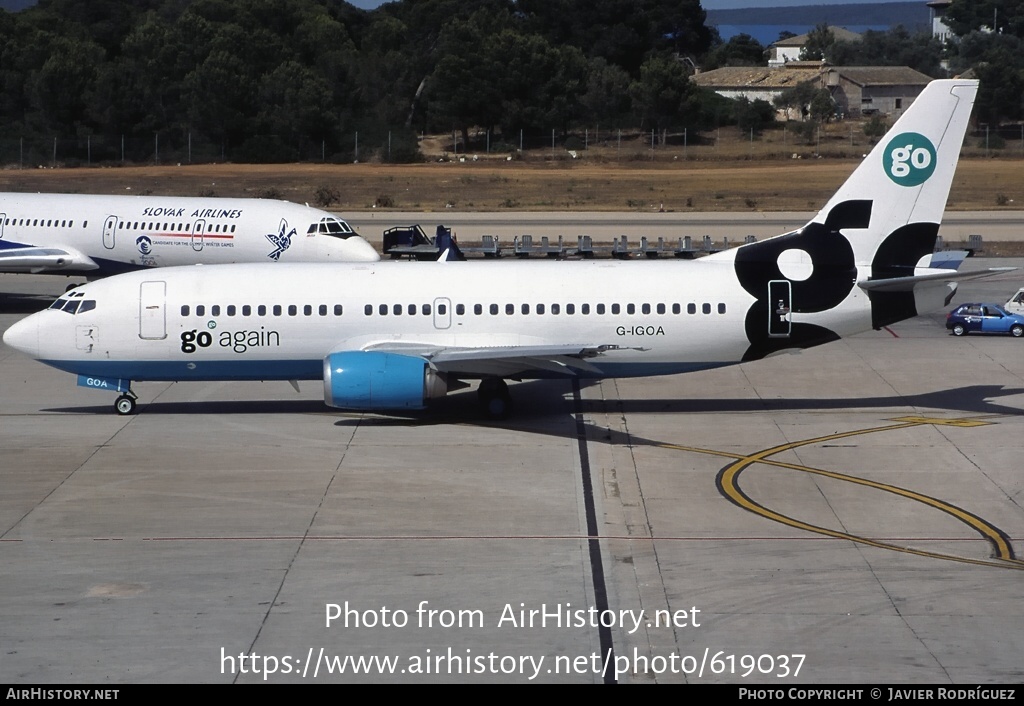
(501, 361)
(34, 259)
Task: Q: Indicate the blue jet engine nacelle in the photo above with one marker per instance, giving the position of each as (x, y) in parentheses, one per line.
(370, 380)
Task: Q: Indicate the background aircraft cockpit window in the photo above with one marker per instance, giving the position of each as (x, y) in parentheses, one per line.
(334, 227)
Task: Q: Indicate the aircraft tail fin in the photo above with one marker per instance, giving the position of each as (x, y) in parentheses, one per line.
(893, 202)
(879, 227)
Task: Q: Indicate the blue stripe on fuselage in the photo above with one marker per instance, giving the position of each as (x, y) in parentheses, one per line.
(209, 370)
(214, 370)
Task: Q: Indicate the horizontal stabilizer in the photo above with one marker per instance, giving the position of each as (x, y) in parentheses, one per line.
(907, 284)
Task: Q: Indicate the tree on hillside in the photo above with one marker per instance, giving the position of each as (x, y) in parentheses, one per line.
(661, 92)
(753, 115)
(606, 99)
(998, 62)
(819, 41)
(1003, 16)
(622, 32)
(740, 50)
(997, 57)
(797, 99)
(895, 47)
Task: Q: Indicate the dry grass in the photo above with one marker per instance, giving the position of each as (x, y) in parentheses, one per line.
(724, 175)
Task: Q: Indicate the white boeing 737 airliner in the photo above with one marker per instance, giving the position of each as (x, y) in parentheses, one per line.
(96, 236)
(390, 336)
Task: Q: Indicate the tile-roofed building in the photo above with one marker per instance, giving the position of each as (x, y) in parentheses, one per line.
(788, 50)
(758, 82)
(866, 90)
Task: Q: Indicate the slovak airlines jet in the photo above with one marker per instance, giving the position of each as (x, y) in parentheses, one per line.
(390, 336)
(96, 236)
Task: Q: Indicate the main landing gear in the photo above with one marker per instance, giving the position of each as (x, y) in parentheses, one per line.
(125, 403)
(494, 398)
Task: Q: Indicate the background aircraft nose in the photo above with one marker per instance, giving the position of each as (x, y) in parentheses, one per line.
(362, 251)
(24, 335)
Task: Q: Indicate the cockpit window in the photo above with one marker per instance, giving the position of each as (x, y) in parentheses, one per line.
(334, 227)
(74, 306)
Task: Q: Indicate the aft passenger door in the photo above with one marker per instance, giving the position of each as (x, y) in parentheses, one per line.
(152, 319)
(109, 231)
(3, 219)
(780, 307)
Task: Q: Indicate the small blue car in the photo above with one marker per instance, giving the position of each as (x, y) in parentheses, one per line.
(984, 318)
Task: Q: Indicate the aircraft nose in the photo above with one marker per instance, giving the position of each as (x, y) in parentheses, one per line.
(24, 335)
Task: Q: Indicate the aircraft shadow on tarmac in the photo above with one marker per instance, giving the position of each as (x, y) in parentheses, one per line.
(538, 403)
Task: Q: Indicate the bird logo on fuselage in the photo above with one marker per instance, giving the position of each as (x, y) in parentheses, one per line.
(282, 240)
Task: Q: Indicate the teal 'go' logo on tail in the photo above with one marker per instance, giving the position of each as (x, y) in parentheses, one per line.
(909, 159)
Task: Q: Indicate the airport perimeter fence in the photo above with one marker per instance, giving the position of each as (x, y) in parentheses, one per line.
(102, 150)
(392, 146)
(635, 144)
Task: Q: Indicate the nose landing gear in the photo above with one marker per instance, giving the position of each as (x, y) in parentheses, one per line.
(125, 403)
